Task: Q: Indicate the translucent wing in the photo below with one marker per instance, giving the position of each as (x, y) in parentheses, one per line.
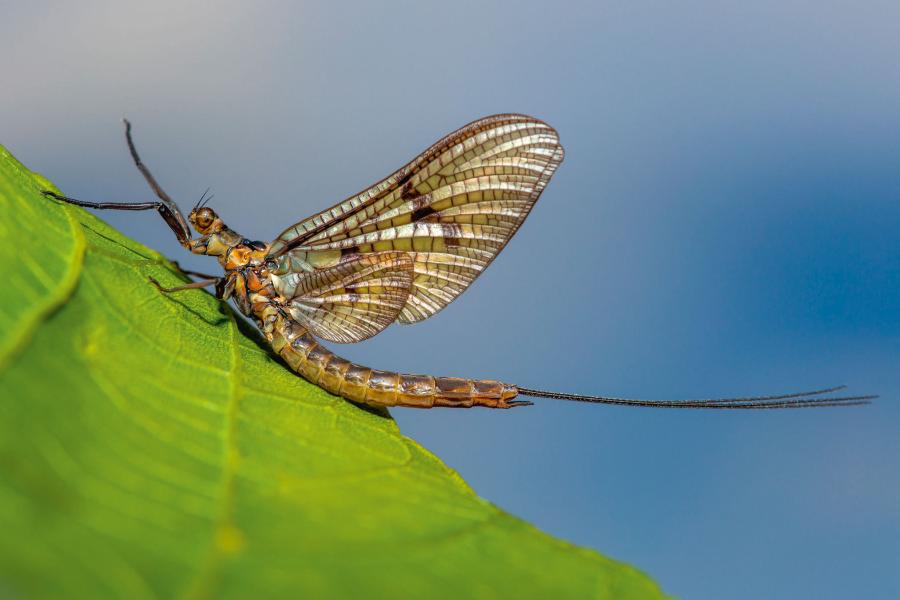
(353, 300)
(452, 209)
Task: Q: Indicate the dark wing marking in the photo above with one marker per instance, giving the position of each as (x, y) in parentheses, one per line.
(353, 300)
(452, 210)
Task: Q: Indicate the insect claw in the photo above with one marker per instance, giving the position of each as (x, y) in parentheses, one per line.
(156, 283)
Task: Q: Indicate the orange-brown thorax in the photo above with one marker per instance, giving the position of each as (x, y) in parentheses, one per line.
(233, 250)
(246, 273)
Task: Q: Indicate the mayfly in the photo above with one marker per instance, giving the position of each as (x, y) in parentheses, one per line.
(400, 250)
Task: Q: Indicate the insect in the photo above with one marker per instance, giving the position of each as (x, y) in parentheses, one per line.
(401, 250)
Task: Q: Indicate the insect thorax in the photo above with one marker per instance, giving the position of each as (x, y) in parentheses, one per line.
(306, 261)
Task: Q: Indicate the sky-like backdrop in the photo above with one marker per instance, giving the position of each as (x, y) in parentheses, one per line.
(726, 222)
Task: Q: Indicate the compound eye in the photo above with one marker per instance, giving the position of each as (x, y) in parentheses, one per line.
(204, 218)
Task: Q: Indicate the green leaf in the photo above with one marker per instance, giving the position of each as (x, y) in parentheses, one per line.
(150, 446)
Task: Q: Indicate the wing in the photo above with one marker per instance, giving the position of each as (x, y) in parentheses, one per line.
(452, 210)
(350, 301)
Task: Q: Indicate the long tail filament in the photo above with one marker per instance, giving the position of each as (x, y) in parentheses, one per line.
(808, 399)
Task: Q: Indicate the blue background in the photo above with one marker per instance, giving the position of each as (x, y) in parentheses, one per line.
(726, 222)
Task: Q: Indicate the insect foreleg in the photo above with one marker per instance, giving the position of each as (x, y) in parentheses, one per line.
(171, 214)
(167, 208)
(183, 234)
(105, 205)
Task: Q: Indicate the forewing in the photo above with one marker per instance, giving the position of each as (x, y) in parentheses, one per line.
(350, 301)
(452, 209)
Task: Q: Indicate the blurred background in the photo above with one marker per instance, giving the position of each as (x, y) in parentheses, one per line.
(726, 222)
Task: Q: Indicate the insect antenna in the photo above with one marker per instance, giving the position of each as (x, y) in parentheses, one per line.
(810, 399)
(203, 199)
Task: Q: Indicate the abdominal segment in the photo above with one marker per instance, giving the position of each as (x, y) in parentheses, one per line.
(363, 385)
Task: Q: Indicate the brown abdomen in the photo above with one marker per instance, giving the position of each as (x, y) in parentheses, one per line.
(363, 385)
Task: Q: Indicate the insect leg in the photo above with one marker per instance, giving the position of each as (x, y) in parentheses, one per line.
(193, 273)
(104, 205)
(167, 208)
(188, 286)
(171, 214)
(182, 235)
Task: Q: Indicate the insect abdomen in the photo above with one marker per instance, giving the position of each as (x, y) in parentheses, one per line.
(363, 385)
